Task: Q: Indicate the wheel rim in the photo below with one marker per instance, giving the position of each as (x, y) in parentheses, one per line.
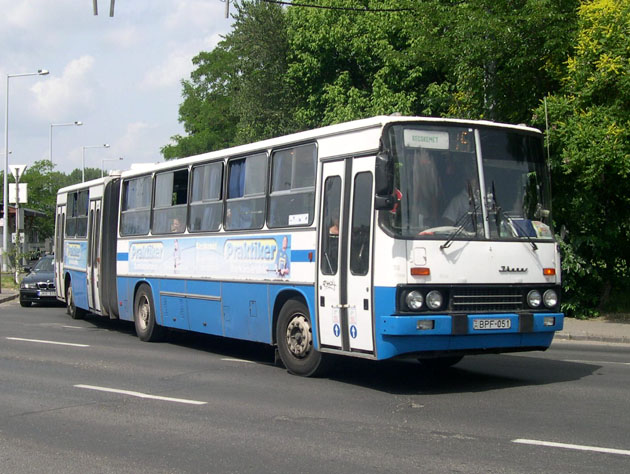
(299, 337)
(144, 312)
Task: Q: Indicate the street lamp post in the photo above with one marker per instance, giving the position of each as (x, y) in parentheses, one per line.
(105, 145)
(108, 159)
(5, 227)
(77, 123)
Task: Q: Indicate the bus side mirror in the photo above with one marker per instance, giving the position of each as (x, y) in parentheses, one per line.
(384, 182)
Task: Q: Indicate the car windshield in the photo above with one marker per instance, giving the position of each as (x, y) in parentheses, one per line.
(44, 265)
(438, 184)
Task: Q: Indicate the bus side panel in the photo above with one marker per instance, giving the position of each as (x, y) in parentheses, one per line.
(125, 288)
(245, 311)
(204, 307)
(79, 288)
(173, 312)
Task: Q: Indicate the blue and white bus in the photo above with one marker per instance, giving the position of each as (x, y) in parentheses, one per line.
(378, 238)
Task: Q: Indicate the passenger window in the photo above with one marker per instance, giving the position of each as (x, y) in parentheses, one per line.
(331, 226)
(361, 224)
(136, 206)
(292, 197)
(206, 207)
(77, 212)
(245, 206)
(171, 198)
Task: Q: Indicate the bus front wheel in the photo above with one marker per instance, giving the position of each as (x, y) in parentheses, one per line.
(294, 335)
(71, 306)
(147, 328)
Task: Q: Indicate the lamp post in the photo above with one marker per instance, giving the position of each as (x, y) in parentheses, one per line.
(77, 123)
(105, 145)
(5, 227)
(108, 159)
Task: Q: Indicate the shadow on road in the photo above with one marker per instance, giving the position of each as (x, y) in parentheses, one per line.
(473, 374)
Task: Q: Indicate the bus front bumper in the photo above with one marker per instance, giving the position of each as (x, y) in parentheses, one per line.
(397, 335)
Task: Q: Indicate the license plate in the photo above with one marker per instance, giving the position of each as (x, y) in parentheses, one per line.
(497, 323)
(46, 293)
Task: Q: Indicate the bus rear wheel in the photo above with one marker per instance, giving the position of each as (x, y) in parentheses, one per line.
(71, 306)
(294, 335)
(147, 328)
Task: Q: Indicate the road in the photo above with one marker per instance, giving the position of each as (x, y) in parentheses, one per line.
(88, 397)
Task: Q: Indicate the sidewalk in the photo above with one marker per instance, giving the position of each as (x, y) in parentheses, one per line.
(599, 330)
(8, 295)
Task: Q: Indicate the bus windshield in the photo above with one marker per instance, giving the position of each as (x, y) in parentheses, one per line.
(442, 193)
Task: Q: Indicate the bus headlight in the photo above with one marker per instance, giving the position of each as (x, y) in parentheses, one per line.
(550, 298)
(414, 300)
(534, 299)
(434, 299)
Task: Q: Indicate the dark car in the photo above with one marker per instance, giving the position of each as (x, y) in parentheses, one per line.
(39, 285)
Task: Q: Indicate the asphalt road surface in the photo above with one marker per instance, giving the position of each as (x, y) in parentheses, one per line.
(88, 397)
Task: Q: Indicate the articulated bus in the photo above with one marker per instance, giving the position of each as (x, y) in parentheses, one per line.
(386, 237)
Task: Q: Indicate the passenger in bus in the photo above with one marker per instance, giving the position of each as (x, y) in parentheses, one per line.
(426, 189)
(465, 201)
(176, 225)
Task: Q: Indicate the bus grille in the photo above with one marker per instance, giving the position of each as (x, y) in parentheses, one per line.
(487, 299)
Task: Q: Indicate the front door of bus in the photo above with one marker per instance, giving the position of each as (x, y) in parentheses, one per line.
(345, 249)
(60, 230)
(93, 257)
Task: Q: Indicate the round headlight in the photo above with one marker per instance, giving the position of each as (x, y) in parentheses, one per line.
(550, 298)
(414, 300)
(434, 299)
(534, 298)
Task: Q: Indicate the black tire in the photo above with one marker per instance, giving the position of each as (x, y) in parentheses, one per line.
(25, 304)
(147, 328)
(294, 336)
(71, 307)
(440, 362)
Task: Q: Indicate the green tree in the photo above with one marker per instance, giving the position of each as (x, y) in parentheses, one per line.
(238, 92)
(206, 112)
(590, 143)
(348, 64)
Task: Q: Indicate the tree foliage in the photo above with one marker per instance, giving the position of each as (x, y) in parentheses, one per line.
(590, 139)
(43, 183)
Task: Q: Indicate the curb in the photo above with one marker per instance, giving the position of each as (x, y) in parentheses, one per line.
(592, 338)
(4, 298)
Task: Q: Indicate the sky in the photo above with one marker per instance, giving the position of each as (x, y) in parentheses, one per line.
(121, 76)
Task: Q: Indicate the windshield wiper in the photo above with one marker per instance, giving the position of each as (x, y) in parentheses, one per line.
(463, 219)
(500, 212)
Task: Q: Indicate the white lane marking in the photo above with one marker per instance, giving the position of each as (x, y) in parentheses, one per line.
(227, 359)
(73, 327)
(577, 447)
(47, 342)
(141, 395)
(603, 362)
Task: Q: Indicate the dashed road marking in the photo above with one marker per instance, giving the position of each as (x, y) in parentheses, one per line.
(576, 447)
(40, 341)
(141, 395)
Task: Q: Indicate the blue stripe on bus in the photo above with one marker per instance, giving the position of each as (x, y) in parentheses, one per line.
(122, 256)
(302, 255)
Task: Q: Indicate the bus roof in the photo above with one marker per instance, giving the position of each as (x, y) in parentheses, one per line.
(369, 142)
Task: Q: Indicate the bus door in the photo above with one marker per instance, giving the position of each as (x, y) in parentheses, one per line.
(345, 252)
(94, 256)
(60, 230)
